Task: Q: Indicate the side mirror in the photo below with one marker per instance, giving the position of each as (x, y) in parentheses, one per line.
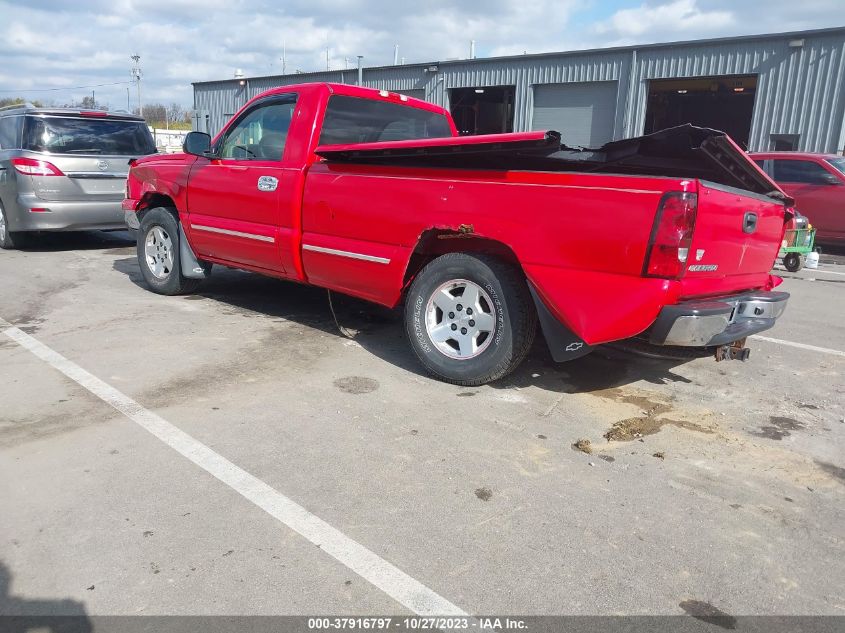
(197, 143)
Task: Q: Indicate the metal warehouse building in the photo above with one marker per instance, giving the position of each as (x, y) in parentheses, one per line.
(770, 92)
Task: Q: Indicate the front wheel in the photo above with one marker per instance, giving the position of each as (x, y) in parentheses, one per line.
(470, 318)
(158, 254)
(793, 262)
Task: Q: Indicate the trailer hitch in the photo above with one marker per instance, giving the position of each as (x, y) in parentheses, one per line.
(733, 351)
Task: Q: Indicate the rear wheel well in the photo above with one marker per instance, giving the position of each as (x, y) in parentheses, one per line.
(154, 200)
(433, 243)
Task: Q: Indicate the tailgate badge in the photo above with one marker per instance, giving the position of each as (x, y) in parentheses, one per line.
(703, 268)
(699, 254)
(102, 165)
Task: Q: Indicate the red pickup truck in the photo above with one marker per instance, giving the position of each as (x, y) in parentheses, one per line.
(667, 238)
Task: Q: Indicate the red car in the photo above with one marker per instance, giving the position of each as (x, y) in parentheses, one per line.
(817, 182)
(668, 237)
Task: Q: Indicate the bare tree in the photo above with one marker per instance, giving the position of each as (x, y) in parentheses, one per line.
(176, 113)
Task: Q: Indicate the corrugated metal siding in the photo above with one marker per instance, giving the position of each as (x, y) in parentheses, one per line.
(799, 90)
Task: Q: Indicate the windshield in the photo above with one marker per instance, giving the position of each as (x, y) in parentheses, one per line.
(838, 164)
(71, 135)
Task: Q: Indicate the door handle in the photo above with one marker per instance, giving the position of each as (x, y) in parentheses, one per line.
(749, 222)
(267, 183)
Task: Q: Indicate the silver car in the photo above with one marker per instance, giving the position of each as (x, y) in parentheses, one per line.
(65, 170)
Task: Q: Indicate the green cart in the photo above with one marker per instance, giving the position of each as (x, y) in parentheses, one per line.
(797, 243)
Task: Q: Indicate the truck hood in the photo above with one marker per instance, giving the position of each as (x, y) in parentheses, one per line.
(685, 151)
(163, 158)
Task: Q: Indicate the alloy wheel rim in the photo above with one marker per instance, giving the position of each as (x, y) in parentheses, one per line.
(158, 252)
(459, 319)
(2, 226)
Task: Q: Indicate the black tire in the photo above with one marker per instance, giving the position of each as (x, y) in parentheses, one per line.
(169, 280)
(10, 240)
(510, 307)
(793, 262)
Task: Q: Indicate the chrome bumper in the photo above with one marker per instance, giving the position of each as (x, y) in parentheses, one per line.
(718, 321)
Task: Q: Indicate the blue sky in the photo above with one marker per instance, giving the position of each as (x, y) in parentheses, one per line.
(56, 44)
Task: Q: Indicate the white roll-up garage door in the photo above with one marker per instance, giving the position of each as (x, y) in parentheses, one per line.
(584, 112)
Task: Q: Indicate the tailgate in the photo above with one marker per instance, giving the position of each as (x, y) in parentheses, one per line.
(736, 240)
(91, 177)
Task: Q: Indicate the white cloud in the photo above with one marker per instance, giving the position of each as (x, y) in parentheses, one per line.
(53, 43)
(680, 16)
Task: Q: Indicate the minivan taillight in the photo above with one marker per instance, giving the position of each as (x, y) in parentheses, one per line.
(671, 235)
(32, 167)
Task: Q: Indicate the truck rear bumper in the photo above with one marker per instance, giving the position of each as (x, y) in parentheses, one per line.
(716, 322)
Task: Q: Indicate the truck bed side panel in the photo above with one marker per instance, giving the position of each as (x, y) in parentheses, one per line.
(573, 234)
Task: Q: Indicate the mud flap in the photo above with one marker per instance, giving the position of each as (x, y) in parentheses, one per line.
(563, 343)
(191, 267)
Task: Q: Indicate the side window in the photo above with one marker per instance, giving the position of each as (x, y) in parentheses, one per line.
(261, 133)
(801, 171)
(9, 132)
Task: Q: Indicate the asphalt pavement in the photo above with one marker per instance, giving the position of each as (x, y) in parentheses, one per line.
(279, 464)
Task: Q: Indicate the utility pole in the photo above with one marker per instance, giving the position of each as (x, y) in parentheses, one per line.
(136, 77)
(93, 101)
(284, 57)
(327, 58)
(396, 55)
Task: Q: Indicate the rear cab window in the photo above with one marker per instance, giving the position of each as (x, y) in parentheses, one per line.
(83, 135)
(354, 120)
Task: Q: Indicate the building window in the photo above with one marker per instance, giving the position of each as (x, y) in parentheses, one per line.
(784, 142)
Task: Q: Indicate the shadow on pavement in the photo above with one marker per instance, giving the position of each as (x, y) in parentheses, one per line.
(77, 241)
(380, 331)
(18, 614)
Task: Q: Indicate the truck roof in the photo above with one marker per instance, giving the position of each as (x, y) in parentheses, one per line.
(350, 90)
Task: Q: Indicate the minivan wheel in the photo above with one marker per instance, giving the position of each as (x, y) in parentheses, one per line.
(8, 239)
(158, 254)
(470, 318)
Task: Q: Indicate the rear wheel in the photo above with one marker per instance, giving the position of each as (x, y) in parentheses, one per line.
(793, 262)
(8, 239)
(470, 318)
(158, 254)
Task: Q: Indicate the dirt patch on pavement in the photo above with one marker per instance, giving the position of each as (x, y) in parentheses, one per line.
(635, 428)
(356, 384)
(778, 428)
(646, 424)
(483, 493)
(583, 445)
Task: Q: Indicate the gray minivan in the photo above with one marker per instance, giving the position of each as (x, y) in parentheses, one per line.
(65, 170)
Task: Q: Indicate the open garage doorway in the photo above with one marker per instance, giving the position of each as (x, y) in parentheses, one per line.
(722, 103)
(484, 110)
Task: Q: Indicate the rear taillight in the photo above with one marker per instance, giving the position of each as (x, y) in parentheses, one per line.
(32, 167)
(671, 236)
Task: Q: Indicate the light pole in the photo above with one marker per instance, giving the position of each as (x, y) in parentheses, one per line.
(360, 70)
(136, 77)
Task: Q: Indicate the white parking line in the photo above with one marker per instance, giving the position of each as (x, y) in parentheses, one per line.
(390, 579)
(812, 348)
